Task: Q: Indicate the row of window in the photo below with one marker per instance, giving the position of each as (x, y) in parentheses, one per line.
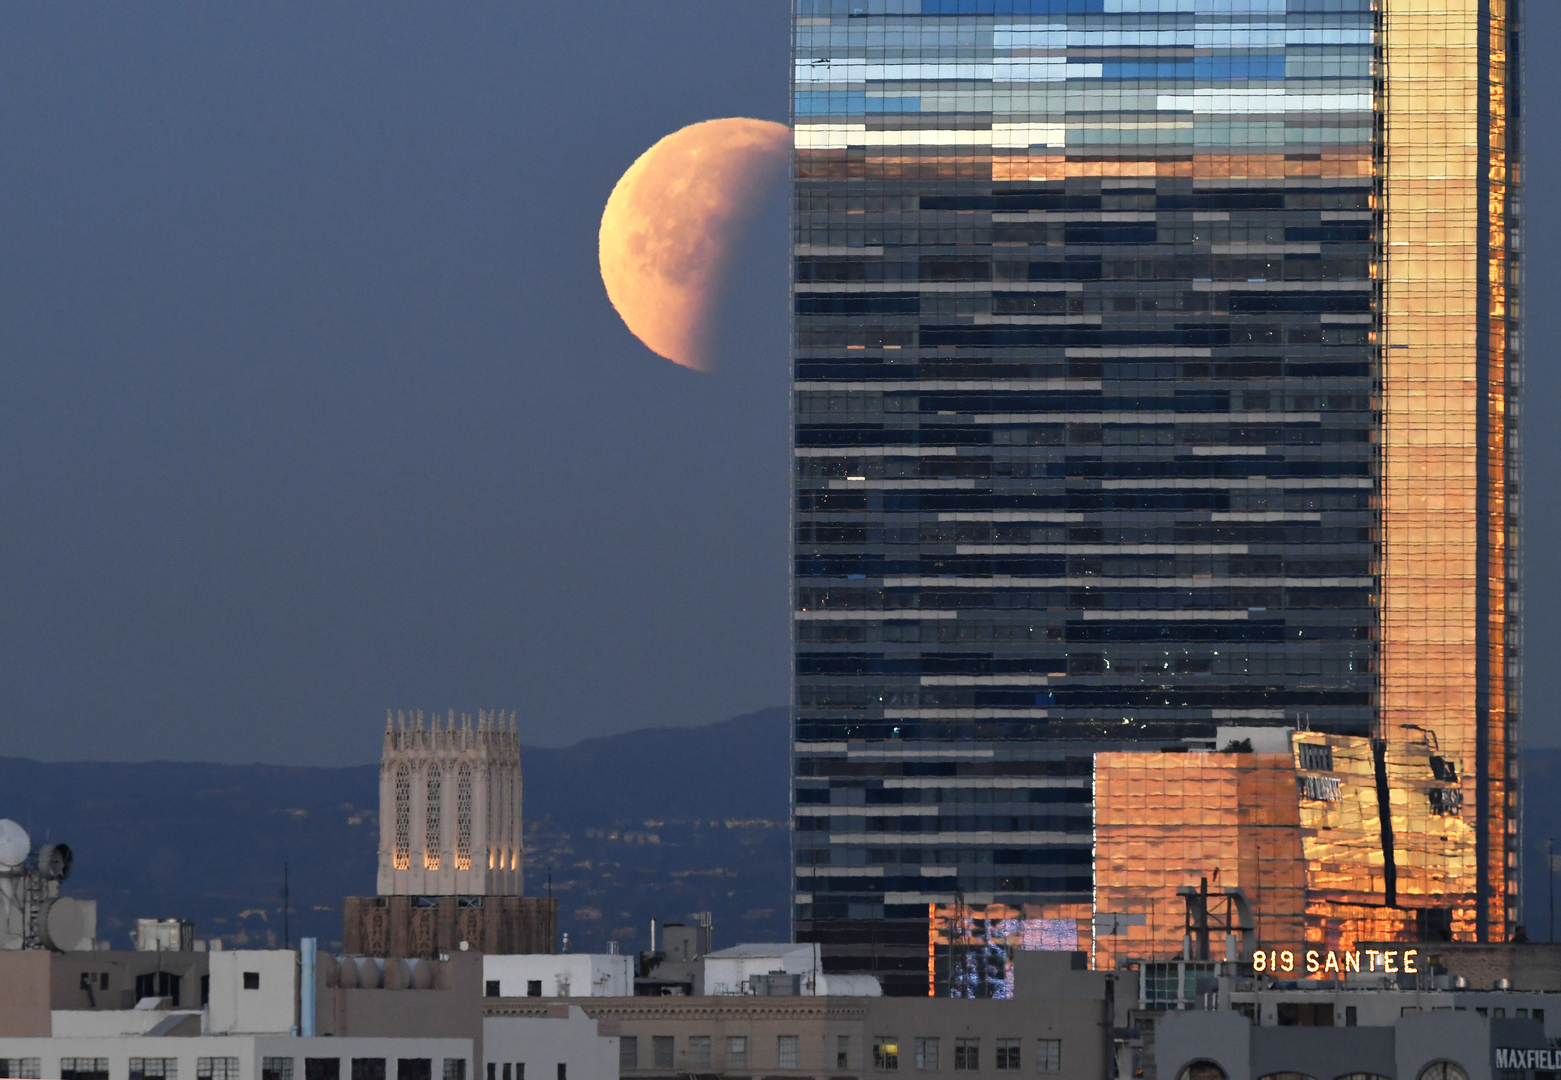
(699, 1049)
(1050, 855)
(140, 1068)
(967, 1054)
(281, 1068)
(898, 796)
(870, 334)
(1169, 197)
(1310, 267)
(517, 1070)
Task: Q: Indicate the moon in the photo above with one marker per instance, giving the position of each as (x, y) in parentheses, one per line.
(671, 223)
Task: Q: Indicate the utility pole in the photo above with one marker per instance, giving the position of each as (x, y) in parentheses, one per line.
(287, 928)
(1550, 868)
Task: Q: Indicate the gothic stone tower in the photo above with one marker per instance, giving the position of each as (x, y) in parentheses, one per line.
(449, 807)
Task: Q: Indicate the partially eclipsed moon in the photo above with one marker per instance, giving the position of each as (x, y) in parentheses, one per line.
(671, 222)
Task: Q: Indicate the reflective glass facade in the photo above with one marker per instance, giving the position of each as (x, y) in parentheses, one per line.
(1338, 840)
(1153, 373)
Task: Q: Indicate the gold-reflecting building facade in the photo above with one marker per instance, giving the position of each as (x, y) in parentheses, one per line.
(1166, 821)
(1338, 840)
(1448, 174)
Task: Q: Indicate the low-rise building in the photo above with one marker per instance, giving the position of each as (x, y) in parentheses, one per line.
(1221, 1021)
(748, 969)
(565, 1044)
(37, 985)
(237, 1057)
(1060, 1022)
(1443, 1045)
(369, 1018)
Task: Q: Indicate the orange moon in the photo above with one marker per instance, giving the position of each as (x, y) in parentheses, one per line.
(670, 225)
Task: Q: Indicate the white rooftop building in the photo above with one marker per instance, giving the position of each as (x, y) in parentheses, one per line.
(781, 968)
(557, 975)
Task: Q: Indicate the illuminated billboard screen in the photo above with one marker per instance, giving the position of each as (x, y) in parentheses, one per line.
(971, 947)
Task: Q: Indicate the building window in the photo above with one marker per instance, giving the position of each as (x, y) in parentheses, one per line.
(737, 1051)
(87, 1069)
(403, 855)
(168, 1068)
(414, 1069)
(433, 819)
(661, 1051)
(1048, 1055)
(842, 1051)
(226, 1068)
(508, 1071)
(788, 1051)
(533, 987)
(463, 818)
(156, 984)
(927, 1055)
(21, 1068)
(1304, 1014)
(1007, 1053)
(886, 1052)
(251, 980)
(1349, 1016)
(491, 988)
(322, 1068)
(563, 1071)
(362, 1069)
(454, 1069)
(967, 1054)
(1443, 1070)
(699, 1051)
(628, 1052)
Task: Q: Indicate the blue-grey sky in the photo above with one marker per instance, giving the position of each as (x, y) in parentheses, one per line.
(311, 403)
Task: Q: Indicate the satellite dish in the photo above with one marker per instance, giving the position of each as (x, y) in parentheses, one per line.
(69, 925)
(14, 844)
(55, 861)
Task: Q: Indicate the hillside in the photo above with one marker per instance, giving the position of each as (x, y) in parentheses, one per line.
(654, 823)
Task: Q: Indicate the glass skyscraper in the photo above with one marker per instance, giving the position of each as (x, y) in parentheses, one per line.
(1156, 371)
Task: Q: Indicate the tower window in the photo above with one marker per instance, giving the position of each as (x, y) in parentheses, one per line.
(463, 818)
(433, 819)
(403, 853)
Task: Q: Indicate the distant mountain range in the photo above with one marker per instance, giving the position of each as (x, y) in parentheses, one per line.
(658, 823)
